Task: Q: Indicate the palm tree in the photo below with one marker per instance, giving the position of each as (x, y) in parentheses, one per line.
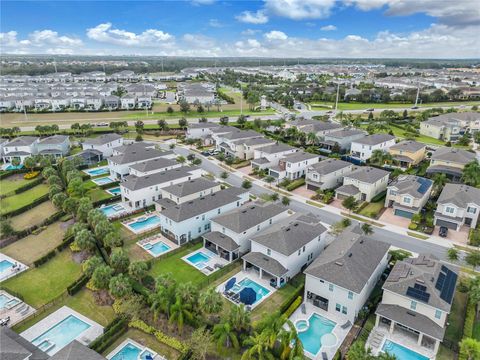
(258, 347)
(452, 254)
(180, 312)
(270, 326)
(162, 300)
(239, 317)
(439, 181)
(269, 179)
(290, 344)
(225, 335)
(367, 229)
(471, 173)
(312, 138)
(210, 301)
(188, 293)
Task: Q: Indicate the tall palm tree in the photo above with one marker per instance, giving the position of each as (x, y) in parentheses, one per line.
(240, 319)
(439, 181)
(471, 173)
(312, 138)
(367, 229)
(258, 347)
(180, 312)
(290, 344)
(163, 300)
(210, 301)
(270, 325)
(188, 293)
(225, 336)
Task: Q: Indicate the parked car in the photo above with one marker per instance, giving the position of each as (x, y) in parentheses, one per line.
(206, 153)
(102, 124)
(369, 110)
(443, 231)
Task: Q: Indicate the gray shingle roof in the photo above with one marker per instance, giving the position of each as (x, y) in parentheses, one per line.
(412, 185)
(205, 125)
(240, 134)
(408, 145)
(248, 216)
(102, 139)
(255, 141)
(300, 156)
(138, 154)
(202, 205)
(190, 187)
(276, 148)
(375, 139)
(348, 190)
(222, 240)
(154, 164)
(455, 155)
(350, 260)
(459, 195)
(22, 141)
(133, 182)
(265, 262)
(328, 166)
(77, 351)
(15, 347)
(290, 234)
(367, 174)
(55, 139)
(345, 133)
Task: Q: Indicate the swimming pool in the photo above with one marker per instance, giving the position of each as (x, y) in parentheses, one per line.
(260, 291)
(5, 265)
(401, 352)
(97, 171)
(156, 249)
(7, 302)
(103, 180)
(3, 300)
(12, 167)
(112, 210)
(144, 223)
(114, 190)
(131, 351)
(198, 259)
(317, 334)
(61, 334)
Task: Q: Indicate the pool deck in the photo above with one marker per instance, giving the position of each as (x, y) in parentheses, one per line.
(8, 273)
(339, 333)
(98, 181)
(210, 267)
(111, 192)
(86, 171)
(133, 342)
(252, 276)
(155, 239)
(121, 213)
(133, 220)
(86, 337)
(16, 313)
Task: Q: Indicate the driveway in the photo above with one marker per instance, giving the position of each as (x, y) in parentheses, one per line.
(390, 218)
(303, 191)
(246, 169)
(457, 236)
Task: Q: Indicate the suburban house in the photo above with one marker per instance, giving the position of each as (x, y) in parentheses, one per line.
(142, 191)
(230, 233)
(3, 142)
(186, 191)
(319, 128)
(268, 156)
(363, 184)
(363, 148)
(417, 299)
(342, 277)
(443, 127)
(327, 174)
(103, 143)
(191, 219)
(56, 145)
(408, 153)
(408, 194)
(342, 139)
(20, 148)
(286, 248)
(458, 205)
(450, 161)
(246, 148)
(230, 143)
(294, 165)
(200, 130)
(149, 167)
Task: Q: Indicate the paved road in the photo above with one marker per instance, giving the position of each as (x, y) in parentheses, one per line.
(382, 234)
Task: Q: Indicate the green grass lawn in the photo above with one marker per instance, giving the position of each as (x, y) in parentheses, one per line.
(476, 330)
(400, 133)
(195, 114)
(98, 194)
(33, 216)
(17, 201)
(40, 285)
(454, 330)
(323, 105)
(33, 247)
(181, 271)
(12, 183)
(373, 209)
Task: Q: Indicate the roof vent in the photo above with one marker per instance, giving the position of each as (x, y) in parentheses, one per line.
(350, 255)
(420, 281)
(339, 263)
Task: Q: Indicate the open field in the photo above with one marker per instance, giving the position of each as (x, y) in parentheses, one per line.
(33, 247)
(400, 133)
(12, 183)
(17, 201)
(195, 114)
(33, 216)
(40, 285)
(363, 106)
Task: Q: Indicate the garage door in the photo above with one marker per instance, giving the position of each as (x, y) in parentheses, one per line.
(447, 224)
(312, 187)
(403, 213)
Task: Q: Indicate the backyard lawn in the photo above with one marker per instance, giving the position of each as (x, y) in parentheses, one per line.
(181, 271)
(12, 183)
(454, 330)
(40, 285)
(33, 247)
(400, 133)
(33, 216)
(17, 201)
(98, 194)
(373, 209)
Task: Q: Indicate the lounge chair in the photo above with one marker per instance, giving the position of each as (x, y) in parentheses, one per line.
(20, 308)
(346, 325)
(324, 356)
(304, 309)
(25, 312)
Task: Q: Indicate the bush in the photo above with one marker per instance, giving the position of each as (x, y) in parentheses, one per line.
(45, 258)
(413, 226)
(64, 244)
(77, 285)
(116, 328)
(469, 319)
(293, 297)
(293, 306)
(295, 184)
(379, 197)
(165, 339)
(31, 175)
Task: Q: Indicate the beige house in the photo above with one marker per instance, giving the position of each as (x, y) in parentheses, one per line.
(450, 161)
(363, 184)
(408, 153)
(442, 128)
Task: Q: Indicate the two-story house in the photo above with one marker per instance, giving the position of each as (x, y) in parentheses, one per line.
(342, 277)
(152, 166)
(231, 232)
(230, 143)
(327, 174)
(363, 148)
(450, 161)
(442, 127)
(103, 143)
(200, 130)
(56, 146)
(408, 153)
(363, 184)
(458, 205)
(245, 148)
(268, 156)
(286, 248)
(191, 219)
(20, 148)
(342, 139)
(186, 191)
(408, 194)
(293, 166)
(417, 298)
(318, 127)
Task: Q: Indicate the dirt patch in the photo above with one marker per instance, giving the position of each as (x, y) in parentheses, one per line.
(80, 256)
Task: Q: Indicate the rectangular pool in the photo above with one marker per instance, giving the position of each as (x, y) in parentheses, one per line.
(103, 180)
(144, 223)
(316, 332)
(97, 171)
(157, 248)
(114, 190)
(112, 210)
(5, 265)
(401, 352)
(131, 351)
(198, 259)
(61, 334)
(259, 290)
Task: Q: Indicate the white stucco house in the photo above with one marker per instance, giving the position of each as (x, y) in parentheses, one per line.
(327, 174)
(103, 143)
(363, 184)
(20, 148)
(267, 156)
(186, 191)
(152, 166)
(363, 148)
(293, 166)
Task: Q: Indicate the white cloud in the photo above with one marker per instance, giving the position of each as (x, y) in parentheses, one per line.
(39, 41)
(203, 2)
(249, 17)
(328, 28)
(250, 32)
(300, 9)
(215, 23)
(148, 38)
(276, 35)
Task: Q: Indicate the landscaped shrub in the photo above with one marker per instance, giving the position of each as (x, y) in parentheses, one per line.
(111, 333)
(293, 306)
(295, 184)
(77, 285)
(45, 258)
(379, 197)
(469, 320)
(31, 175)
(64, 244)
(167, 340)
(293, 297)
(28, 186)
(106, 201)
(21, 210)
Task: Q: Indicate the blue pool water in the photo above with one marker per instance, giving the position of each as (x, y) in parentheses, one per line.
(3, 300)
(112, 210)
(12, 167)
(143, 224)
(5, 265)
(130, 352)
(401, 352)
(198, 259)
(114, 190)
(98, 171)
(157, 248)
(61, 334)
(249, 283)
(103, 180)
(312, 337)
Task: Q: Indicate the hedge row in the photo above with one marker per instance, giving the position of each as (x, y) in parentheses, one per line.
(295, 184)
(77, 285)
(167, 340)
(293, 306)
(292, 298)
(65, 243)
(106, 201)
(469, 319)
(50, 220)
(109, 185)
(21, 210)
(7, 173)
(13, 293)
(45, 258)
(29, 185)
(111, 333)
(379, 196)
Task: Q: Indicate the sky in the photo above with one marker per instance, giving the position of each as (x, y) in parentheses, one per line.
(268, 28)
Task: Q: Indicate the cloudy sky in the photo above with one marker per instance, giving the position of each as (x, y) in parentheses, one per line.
(268, 28)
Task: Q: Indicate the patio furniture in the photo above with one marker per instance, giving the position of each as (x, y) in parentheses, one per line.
(5, 321)
(324, 356)
(20, 308)
(303, 308)
(25, 312)
(346, 325)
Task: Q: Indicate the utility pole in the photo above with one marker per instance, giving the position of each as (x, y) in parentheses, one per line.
(55, 65)
(336, 100)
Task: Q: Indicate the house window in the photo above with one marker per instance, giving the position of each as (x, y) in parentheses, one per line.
(407, 200)
(438, 314)
(199, 229)
(207, 227)
(471, 210)
(350, 295)
(393, 192)
(223, 230)
(449, 210)
(338, 307)
(258, 227)
(413, 305)
(299, 251)
(269, 252)
(270, 222)
(218, 211)
(344, 310)
(330, 287)
(322, 281)
(203, 217)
